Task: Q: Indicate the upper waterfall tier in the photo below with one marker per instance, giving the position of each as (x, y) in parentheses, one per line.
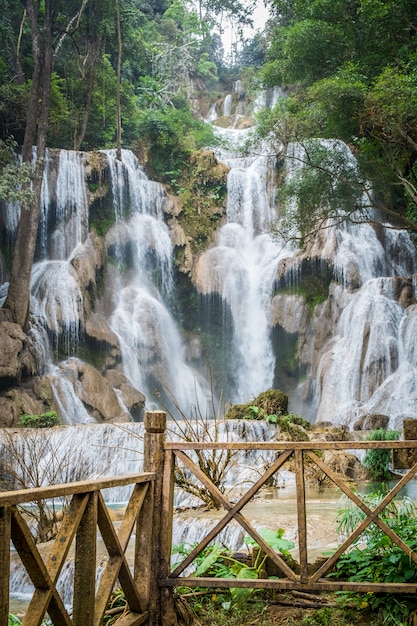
(112, 316)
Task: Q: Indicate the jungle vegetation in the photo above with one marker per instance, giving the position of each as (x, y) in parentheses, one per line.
(91, 74)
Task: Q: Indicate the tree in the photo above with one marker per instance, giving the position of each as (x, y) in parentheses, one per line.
(118, 80)
(342, 87)
(43, 18)
(32, 458)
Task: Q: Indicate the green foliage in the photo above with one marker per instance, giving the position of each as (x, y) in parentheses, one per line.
(377, 558)
(326, 186)
(15, 179)
(219, 562)
(45, 420)
(117, 600)
(378, 461)
(343, 87)
(13, 620)
(170, 136)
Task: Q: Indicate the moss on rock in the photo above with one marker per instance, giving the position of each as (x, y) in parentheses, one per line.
(202, 194)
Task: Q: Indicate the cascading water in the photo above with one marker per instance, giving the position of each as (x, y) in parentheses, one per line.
(151, 346)
(242, 268)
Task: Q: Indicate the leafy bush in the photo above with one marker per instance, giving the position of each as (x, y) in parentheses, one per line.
(219, 562)
(45, 420)
(378, 461)
(379, 559)
(170, 136)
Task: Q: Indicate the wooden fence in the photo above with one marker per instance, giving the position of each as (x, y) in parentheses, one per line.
(149, 589)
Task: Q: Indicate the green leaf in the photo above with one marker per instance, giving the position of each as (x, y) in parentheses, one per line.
(273, 538)
(247, 573)
(209, 560)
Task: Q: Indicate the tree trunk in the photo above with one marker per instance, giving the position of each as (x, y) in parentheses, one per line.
(18, 297)
(93, 57)
(119, 72)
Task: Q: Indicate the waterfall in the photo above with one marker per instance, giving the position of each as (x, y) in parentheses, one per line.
(242, 268)
(152, 350)
(353, 351)
(227, 105)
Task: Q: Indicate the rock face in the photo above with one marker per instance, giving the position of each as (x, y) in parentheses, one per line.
(371, 422)
(17, 358)
(95, 392)
(133, 399)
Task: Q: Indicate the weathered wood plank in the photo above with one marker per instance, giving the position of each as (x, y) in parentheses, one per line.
(144, 547)
(56, 611)
(45, 593)
(160, 608)
(85, 566)
(117, 566)
(372, 516)
(301, 514)
(167, 616)
(405, 458)
(21, 496)
(66, 534)
(286, 445)
(237, 516)
(234, 509)
(285, 584)
(5, 535)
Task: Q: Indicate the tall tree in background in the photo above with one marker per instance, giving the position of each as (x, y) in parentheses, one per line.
(42, 16)
(118, 81)
(351, 74)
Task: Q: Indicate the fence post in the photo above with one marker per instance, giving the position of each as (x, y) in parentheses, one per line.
(5, 518)
(149, 526)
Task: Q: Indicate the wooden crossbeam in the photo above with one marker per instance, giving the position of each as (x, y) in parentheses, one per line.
(116, 544)
(234, 513)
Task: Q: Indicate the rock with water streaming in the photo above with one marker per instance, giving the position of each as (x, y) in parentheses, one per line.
(17, 357)
(171, 285)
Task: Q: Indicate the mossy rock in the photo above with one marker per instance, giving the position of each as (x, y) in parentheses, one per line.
(238, 412)
(272, 402)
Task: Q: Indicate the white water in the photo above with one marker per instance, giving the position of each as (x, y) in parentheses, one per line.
(151, 346)
(364, 360)
(242, 268)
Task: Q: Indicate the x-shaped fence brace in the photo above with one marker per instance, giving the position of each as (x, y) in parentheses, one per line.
(293, 581)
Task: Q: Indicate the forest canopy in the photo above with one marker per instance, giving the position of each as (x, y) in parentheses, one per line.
(349, 68)
(139, 73)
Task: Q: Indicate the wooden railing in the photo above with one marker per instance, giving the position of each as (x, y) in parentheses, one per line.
(299, 452)
(150, 511)
(87, 512)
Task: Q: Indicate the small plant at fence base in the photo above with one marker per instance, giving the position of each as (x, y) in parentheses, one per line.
(375, 557)
(220, 562)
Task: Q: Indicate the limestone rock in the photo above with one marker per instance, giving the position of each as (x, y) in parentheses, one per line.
(346, 464)
(290, 312)
(133, 399)
(17, 361)
(97, 328)
(372, 421)
(95, 392)
(15, 403)
(88, 262)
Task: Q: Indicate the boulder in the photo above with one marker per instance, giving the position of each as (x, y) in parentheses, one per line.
(97, 329)
(95, 392)
(17, 361)
(16, 402)
(371, 421)
(133, 399)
